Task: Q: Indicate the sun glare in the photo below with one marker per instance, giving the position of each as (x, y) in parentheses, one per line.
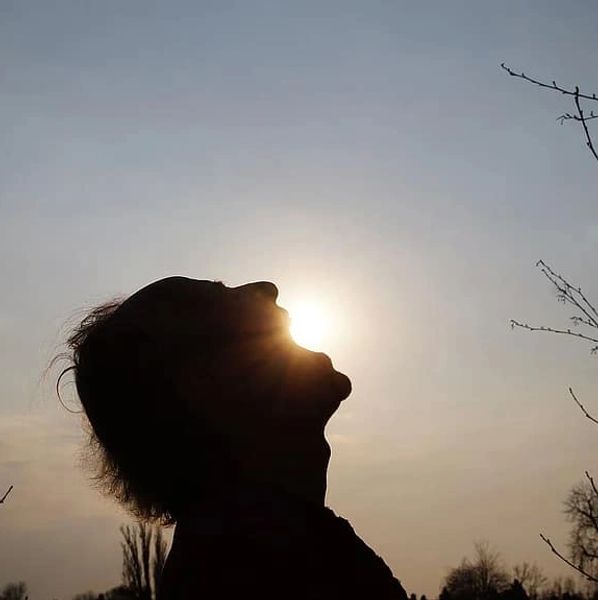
(309, 325)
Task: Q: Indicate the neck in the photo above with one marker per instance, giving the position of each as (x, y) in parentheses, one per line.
(297, 466)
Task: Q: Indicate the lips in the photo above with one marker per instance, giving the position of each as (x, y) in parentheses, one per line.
(343, 384)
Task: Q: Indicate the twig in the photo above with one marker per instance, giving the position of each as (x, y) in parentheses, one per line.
(586, 131)
(587, 414)
(578, 568)
(567, 294)
(569, 117)
(568, 290)
(591, 480)
(575, 93)
(581, 321)
(551, 330)
(6, 494)
(587, 553)
(552, 86)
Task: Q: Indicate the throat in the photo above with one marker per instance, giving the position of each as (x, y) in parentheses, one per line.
(298, 469)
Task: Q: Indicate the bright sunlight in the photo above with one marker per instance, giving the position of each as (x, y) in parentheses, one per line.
(310, 326)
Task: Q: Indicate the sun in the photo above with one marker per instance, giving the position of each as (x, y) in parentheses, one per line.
(310, 325)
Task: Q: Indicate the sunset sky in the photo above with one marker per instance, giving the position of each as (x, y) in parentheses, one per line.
(369, 157)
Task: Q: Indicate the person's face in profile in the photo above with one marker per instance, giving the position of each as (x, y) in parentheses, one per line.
(291, 382)
(244, 369)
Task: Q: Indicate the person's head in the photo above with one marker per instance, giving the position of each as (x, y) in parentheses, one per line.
(192, 387)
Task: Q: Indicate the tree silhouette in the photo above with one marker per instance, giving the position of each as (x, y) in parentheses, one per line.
(14, 591)
(581, 508)
(144, 554)
(482, 578)
(86, 596)
(515, 591)
(531, 578)
(118, 593)
(121, 592)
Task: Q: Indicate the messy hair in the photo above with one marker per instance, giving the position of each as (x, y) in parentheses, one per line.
(139, 436)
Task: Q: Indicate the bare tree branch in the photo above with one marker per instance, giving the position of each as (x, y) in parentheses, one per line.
(569, 117)
(587, 553)
(570, 292)
(591, 480)
(573, 296)
(583, 120)
(551, 330)
(586, 413)
(582, 503)
(577, 95)
(551, 86)
(6, 494)
(578, 568)
(581, 321)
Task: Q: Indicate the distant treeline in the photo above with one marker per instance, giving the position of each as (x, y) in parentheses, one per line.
(483, 577)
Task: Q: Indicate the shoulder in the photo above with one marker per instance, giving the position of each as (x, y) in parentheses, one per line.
(355, 562)
(309, 554)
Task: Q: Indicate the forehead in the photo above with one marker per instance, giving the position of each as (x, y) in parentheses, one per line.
(175, 290)
(176, 287)
(181, 306)
(170, 297)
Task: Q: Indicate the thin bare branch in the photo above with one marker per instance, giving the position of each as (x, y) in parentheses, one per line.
(574, 296)
(583, 120)
(581, 321)
(550, 86)
(551, 330)
(569, 117)
(577, 96)
(578, 568)
(6, 494)
(585, 412)
(587, 553)
(566, 288)
(591, 480)
(589, 514)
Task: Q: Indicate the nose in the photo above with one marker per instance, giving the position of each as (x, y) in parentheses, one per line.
(265, 288)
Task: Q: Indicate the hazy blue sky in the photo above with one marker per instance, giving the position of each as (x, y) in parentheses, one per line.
(370, 154)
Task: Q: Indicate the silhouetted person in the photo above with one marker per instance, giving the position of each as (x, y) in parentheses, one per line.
(206, 414)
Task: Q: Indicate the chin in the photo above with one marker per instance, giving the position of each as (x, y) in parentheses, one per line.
(343, 384)
(333, 391)
(337, 383)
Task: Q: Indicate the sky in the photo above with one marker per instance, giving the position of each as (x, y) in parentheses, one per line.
(370, 156)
